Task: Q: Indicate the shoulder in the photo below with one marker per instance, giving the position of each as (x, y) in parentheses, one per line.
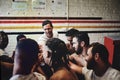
(32, 76)
(63, 74)
(43, 36)
(55, 34)
(113, 73)
(42, 39)
(39, 76)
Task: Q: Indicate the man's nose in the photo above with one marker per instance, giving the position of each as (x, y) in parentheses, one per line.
(47, 30)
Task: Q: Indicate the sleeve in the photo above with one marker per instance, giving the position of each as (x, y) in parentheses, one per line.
(55, 34)
(42, 40)
(87, 73)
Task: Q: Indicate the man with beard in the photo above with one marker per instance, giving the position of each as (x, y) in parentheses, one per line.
(80, 44)
(98, 67)
(69, 35)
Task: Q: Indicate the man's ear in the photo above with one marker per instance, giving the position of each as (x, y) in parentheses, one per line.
(82, 43)
(97, 57)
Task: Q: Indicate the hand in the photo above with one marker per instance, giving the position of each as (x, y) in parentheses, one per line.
(75, 67)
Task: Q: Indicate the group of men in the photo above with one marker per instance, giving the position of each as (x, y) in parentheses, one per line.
(91, 60)
(67, 61)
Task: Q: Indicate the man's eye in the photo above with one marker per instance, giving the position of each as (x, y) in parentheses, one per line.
(48, 29)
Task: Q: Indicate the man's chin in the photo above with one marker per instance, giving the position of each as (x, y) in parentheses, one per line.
(49, 36)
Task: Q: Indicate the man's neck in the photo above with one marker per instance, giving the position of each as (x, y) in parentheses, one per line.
(22, 71)
(50, 36)
(84, 52)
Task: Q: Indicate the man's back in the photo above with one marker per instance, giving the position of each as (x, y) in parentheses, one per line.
(26, 56)
(63, 74)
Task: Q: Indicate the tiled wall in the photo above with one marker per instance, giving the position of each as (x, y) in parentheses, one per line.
(94, 37)
(107, 9)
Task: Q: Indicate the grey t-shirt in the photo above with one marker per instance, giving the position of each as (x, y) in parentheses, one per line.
(110, 74)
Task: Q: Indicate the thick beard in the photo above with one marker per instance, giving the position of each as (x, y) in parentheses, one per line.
(79, 50)
(49, 35)
(91, 63)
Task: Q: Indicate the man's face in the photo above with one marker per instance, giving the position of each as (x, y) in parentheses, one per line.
(69, 38)
(47, 54)
(48, 30)
(90, 59)
(78, 48)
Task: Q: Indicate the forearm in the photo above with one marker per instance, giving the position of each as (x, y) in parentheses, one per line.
(78, 69)
(75, 67)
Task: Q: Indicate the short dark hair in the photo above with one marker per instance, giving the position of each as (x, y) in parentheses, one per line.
(3, 40)
(101, 49)
(72, 32)
(59, 52)
(47, 22)
(20, 36)
(82, 36)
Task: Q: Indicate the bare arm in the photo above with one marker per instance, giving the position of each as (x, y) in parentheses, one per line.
(75, 67)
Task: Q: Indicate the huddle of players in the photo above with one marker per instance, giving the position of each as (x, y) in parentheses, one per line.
(52, 59)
